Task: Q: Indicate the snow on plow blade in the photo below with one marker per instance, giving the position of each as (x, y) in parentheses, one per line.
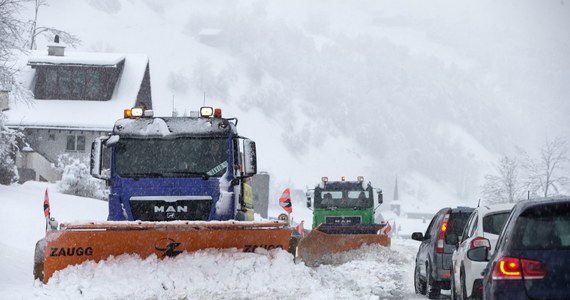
(74, 244)
(326, 240)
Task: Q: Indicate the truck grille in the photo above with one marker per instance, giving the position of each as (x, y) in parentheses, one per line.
(171, 208)
(342, 220)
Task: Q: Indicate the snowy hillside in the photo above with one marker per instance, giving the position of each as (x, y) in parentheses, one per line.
(372, 272)
(432, 92)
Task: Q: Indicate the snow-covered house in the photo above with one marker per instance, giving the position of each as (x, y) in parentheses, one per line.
(77, 97)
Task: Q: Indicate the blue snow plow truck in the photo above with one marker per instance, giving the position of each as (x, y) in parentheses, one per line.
(176, 184)
(175, 168)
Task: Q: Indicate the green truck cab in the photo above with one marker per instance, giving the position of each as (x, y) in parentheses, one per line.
(343, 202)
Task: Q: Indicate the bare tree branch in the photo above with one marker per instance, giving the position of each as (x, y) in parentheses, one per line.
(506, 186)
(543, 175)
(66, 37)
(553, 158)
(49, 32)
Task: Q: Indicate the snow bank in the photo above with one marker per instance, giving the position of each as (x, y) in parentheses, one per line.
(372, 272)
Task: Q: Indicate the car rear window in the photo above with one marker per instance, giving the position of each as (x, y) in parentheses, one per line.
(457, 222)
(493, 223)
(543, 227)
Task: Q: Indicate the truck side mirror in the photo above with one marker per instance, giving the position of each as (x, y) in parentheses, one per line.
(100, 158)
(309, 201)
(250, 158)
(380, 197)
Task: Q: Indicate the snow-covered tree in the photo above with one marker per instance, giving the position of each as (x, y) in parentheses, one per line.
(11, 30)
(11, 43)
(545, 177)
(506, 186)
(77, 180)
(8, 144)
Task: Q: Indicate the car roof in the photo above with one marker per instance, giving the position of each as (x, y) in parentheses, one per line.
(541, 201)
(462, 209)
(521, 206)
(493, 208)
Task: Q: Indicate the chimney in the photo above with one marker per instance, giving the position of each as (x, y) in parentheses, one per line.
(56, 49)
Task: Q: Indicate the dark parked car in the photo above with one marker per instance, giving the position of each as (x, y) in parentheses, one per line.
(532, 258)
(433, 261)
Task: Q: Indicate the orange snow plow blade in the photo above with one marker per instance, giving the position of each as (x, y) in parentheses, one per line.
(74, 244)
(324, 241)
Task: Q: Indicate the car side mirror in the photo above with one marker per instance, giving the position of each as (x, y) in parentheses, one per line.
(478, 254)
(418, 236)
(451, 238)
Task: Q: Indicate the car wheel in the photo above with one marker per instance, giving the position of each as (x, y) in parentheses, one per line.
(432, 291)
(419, 285)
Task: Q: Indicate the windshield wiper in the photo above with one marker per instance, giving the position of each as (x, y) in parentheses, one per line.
(204, 175)
(136, 176)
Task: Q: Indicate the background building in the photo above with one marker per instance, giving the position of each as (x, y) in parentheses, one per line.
(77, 97)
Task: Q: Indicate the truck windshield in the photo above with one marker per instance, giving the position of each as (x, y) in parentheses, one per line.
(188, 156)
(343, 199)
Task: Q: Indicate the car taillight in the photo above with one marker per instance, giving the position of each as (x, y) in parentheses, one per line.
(533, 269)
(441, 235)
(518, 268)
(480, 242)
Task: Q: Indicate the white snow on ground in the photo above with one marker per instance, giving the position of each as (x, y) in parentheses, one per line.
(372, 272)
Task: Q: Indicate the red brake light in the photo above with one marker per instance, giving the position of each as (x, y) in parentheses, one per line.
(508, 268)
(441, 235)
(217, 113)
(515, 268)
(533, 269)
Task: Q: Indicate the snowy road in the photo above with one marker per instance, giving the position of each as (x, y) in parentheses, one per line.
(373, 272)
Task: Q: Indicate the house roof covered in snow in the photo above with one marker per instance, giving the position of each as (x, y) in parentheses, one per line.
(78, 114)
(78, 59)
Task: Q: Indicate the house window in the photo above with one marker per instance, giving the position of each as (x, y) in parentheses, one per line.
(76, 82)
(75, 143)
(51, 137)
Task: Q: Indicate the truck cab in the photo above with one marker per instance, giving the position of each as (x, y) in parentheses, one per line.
(343, 202)
(174, 168)
(343, 220)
